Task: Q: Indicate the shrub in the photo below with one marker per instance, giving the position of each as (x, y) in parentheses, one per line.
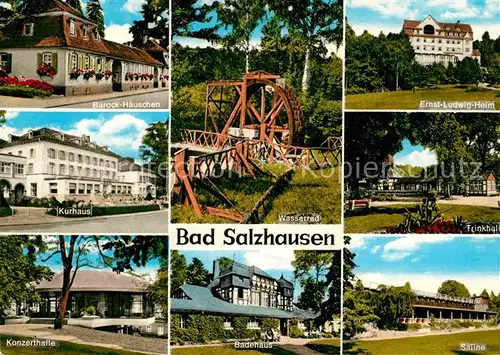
(455, 324)
(30, 83)
(413, 327)
(22, 91)
(90, 311)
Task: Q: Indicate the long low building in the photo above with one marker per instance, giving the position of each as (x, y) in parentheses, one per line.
(45, 163)
(64, 48)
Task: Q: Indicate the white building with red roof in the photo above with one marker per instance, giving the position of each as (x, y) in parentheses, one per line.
(439, 42)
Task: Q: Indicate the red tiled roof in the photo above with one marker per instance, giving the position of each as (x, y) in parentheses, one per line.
(410, 25)
(476, 52)
(62, 6)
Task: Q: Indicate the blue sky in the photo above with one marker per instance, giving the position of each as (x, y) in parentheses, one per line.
(274, 262)
(55, 262)
(415, 155)
(388, 16)
(121, 132)
(427, 261)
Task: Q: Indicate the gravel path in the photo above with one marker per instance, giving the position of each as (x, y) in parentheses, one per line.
(129, 342)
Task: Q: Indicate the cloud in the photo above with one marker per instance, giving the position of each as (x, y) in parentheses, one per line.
(375, 29)
(6, 5)
(11, 114)
(430, 282)
(269, 259)
(118, 33)
(358, 242)
(424, 158)
(403, 247)
(122, 131)
(376, 249)
(133, 6)
(394, 8)
(491, 9)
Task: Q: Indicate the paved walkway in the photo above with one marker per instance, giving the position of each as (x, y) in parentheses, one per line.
(299, 349)
(60, 100)
(485, 86)
(484, 201)
(91, 337)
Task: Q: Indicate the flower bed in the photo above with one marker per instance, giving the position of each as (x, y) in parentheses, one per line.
(25, 88)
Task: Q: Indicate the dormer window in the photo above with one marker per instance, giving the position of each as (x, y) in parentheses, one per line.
(85, 32)
(72, 28)
(97, 35)
(28, 29)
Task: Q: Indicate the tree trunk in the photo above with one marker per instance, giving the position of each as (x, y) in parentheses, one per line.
(305, 76)
(63, 303)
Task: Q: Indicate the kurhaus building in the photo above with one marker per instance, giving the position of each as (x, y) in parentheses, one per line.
(48, 163)
(439, 42)
(63, 47)
(240, 291)
(119, 302)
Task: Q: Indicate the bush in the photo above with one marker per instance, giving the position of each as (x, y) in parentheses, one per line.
(22, 91)
(90, 311)
(295, 331)
(455, 324)
(413, 327)
(466, 324)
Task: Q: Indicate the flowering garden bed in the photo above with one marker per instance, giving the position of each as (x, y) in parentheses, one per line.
(25, 88)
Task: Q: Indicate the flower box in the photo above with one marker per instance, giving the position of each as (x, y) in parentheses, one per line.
(89, 73)
(46, 70)
(75, 73)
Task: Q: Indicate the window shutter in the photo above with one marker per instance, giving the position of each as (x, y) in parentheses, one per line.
(39, 58)
(9, 62)
(54, 61)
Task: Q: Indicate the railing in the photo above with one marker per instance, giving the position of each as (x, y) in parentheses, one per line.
(208, 139)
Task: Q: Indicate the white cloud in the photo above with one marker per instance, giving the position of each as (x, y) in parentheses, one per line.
(491, 9)
(6, 5)
(118, 33)
(480, 28)
(394, 8)
(469, 12)
(133, 6)
(358, 242)
(374, 29)
(270, 259)
(424, 158)
(400, 248)
(430, 282)
(376, 249)
(11, 114)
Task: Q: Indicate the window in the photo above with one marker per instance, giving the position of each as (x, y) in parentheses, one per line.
(79, 169)
(94, 161)
(80, 158)
(97, 35)
(97, 189)
(114, 164)
(87, 159)
(87, 62)
(81, 189)
(114, 175)
(5, 168)
(19, 168)
(53, 187)
(52, 168)
(47, 58)
(62, 155)
(34, 190)
(28, 29)
(240, 293)
(4, 61)
(72, 28)
(183, 321)
(62, 169)
(32, 153)
(94, 173)
(30, 168)
(72, 188)
(87, 172)
(467, 49)
(71, 170)
(20, 153)
(74, 61)
(89, 189)
(71, 157)
(52, 153)
(99, 64)
(85, 32)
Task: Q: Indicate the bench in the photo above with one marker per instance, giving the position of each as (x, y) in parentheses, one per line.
(357, 204)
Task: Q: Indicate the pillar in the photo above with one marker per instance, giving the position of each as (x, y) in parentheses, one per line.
(460, 315)
(440, 314)
(451, 315)
(428, 314)
(484, 317)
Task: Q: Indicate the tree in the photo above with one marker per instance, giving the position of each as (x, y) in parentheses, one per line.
(240, 18)
(19, 271)
(392, 303)
(312, 24)
(357, 311)
(178, 267)
(154, 150)
(453, 288)
(197, 274)
(186, 13)
(95, 13)
(484, 293)
(76, 4)
(468, 71)
(154, 24)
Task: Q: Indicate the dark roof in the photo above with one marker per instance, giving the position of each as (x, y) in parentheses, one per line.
(244, 270)
(201, 300)
(410, 25)
(59, 5)
(51, 135)
(54, 31)
(94, 280)
(284, 282)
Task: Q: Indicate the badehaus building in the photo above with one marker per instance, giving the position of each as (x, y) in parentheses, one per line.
(240, 292)
(61, 46)
(45, 163)
(100, 300)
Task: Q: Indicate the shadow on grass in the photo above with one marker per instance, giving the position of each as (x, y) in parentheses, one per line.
(380, 210)
(354, 349)
(328, 349)
(272, 351)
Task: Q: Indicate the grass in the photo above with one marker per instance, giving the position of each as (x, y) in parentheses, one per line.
(317, 191)
(325, 346)
(311, 191)
(62, 348)
(229, 350)
(384, 217)
(448, 344)
(407, 100)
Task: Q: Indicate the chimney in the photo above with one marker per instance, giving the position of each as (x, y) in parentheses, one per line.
(216, 268)
(10, 138)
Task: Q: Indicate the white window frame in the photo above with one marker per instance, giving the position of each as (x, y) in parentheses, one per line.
(72, 28)
(85, 32)
(4, 60)
(97, 35)
(87, 62)
(74, 60)
(31, 27)
(47, 58)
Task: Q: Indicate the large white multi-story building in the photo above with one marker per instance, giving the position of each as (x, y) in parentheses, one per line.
(49, 163)
(438, 42)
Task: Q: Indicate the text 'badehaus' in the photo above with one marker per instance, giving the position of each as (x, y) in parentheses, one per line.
(62, 47)
(241, 303)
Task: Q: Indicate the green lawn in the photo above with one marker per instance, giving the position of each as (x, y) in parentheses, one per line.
(325, 346)
(407, 100)
(314, 191)
(228, 350)
(448, 344)
(384, 217)
(63, 348)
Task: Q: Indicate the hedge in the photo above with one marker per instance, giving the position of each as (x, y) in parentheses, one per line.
(5, 211)
(23, 91)
(111, 210)
(202, 329)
